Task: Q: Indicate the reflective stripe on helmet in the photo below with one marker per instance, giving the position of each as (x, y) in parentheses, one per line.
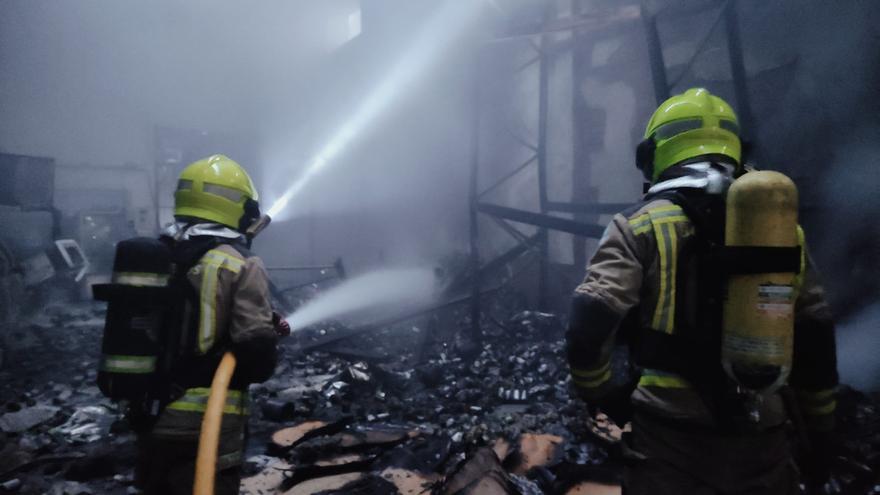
(670, 129)
(223, 191)
(196, 400)
(139, 279)
(128, 364)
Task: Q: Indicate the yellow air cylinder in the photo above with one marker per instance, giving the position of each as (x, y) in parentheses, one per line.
(758, 315)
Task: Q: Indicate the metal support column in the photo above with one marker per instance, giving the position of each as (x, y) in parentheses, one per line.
(580, 170)
(543, 94)
(476, 281)
(738, 71)
(655, 56)
(546, 51)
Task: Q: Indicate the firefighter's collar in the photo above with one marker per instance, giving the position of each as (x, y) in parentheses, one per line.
(711, 177)
(182, 231)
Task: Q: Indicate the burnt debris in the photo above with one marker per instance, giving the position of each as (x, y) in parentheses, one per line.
(415, 407)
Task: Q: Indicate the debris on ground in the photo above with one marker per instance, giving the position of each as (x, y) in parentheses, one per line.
(437, 410)
(27, 418)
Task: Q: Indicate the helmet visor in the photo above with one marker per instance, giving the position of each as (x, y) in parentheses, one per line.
(672, 129)
(729, 125)
(675, 128)
(224, 192)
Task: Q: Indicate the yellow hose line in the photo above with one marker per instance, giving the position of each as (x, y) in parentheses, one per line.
(209, 439)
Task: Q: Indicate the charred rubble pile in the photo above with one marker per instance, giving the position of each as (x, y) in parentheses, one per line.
(424, 407)
(58, 434)
(415, 407)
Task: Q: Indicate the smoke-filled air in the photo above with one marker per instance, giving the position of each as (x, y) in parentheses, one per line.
(439, 246)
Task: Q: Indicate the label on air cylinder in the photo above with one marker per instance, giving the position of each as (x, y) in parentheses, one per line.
(775, 300)
(757, 348)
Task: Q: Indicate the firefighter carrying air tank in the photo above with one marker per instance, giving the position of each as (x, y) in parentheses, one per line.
(709, 280)
(176, 305)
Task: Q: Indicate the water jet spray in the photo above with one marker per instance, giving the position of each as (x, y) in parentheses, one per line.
(384, 291)
(440, 30)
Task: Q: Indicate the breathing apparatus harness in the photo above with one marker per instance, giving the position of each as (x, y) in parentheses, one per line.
(148, 351)
(705, 264)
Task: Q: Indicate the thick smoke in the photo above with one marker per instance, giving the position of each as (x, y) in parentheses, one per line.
(88, 83)
(858, 339)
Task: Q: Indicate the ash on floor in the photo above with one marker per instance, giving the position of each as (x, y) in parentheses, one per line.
(416, 407)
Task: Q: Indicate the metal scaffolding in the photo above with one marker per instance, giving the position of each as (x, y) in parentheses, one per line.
(544, 219)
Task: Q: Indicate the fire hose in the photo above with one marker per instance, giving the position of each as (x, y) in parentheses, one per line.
(209, 438)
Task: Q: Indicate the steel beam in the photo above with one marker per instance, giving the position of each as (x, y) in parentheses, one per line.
(475, 309)
(501, 261)
(510, 174)
(738, 71)
(655, 56)
(543, 221)
(351, 332)
(543, 110)
(591, 208)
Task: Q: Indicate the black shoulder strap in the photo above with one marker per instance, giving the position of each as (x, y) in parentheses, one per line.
(693, 353)
(240, 246)
(187, 253)
(708, 214)
(706, 211)
(634, 208)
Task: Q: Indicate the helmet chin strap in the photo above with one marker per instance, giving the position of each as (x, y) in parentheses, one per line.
(645, 157)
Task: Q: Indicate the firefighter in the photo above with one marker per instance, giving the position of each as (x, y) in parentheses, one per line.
(229, 310)
(654, 282)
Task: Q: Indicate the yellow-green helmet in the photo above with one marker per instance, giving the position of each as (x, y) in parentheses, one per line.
(689, 125)
(215, 189)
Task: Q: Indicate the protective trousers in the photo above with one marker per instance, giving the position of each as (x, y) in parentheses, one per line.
(166, 466)
(678, 460)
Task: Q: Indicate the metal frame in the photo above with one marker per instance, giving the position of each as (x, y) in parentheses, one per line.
(545, 50)
(543, 219)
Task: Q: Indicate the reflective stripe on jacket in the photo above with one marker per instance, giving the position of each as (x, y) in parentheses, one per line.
(636, 265)
(233, 307)
(196, 400)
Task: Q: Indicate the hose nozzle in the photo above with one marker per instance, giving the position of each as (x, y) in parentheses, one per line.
(258, 226)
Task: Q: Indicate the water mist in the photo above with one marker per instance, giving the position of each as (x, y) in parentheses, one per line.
(385, 292)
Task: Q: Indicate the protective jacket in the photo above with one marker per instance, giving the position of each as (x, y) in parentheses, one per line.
(230, 310)
(643, 273)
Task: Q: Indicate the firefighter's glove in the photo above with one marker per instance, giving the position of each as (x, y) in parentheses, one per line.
(257, 357)
(615, 404)
(282, 328)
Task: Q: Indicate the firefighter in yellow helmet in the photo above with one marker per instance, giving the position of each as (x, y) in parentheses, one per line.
(655, 280)
(229, 310)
